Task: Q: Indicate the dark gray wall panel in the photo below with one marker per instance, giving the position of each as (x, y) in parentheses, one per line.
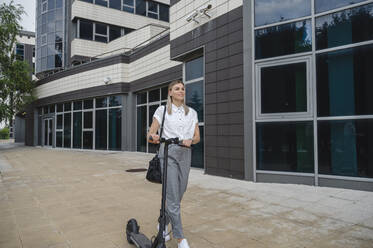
(276, 178)
(29, 121)
(19, 130)
(346, 184)
(222, 40)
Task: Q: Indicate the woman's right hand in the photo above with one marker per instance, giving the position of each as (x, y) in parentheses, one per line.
(153, 138)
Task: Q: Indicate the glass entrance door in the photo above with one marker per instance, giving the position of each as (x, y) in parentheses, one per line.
(48, 132)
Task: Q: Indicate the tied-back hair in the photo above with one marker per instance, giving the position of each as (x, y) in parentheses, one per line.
(169, 98)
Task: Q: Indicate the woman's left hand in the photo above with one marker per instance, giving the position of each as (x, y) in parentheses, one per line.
(187, 143)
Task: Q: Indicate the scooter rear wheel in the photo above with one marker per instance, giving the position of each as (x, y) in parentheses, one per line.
(132, 227)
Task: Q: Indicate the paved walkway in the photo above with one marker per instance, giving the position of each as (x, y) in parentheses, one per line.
(73, 199)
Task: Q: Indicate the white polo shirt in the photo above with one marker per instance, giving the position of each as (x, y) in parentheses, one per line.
(177, 125)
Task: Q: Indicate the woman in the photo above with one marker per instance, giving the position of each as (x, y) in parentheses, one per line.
(180, 122)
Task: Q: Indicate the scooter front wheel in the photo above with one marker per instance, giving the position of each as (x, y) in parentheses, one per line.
(132, 227)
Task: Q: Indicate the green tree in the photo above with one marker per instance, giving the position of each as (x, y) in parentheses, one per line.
(15, 82)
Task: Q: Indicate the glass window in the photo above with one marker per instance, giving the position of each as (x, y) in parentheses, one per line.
(115, 101)
(87, 140)
(152, 148)
(324, 5)
(344, 82)
(88, 119)
(86, 30)
(50, 16)
(164, 12)
(88, 104)
(115, 4)
(152, 6)
(44, 7)
(285, 146)
(78, 105)
(88, 1)
(141, 7)
(101, 2)
(127, 30)
(194, 97)
(269, 11)
(101, 29)
(283, 88)
(20, 52)
(46, 109)
(197, 151)
(115, 129)
(59, 25)
(141, 129)
(164, 93)
(101, 102)
(152, 15)
(46, 131)
(345, 27)
(101, 129)
(128, 6)
(345, 148)
(77, 130)
(142, 98)
(59, 139)
(60, 107)
(100, 38)
(52, 108)
(67, 130)
(153, 10)
(59, 15)
(194, 69)
(59, 121)
(114, 32)
(51, 4)
(59, 3)
(154, 95)
(50, 61)
(283, 39)
(67, 106)
(58, 60)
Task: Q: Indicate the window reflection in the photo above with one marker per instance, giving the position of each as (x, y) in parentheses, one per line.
(344, 82)
(345, 27)
(285, 146)
(194, 97)
(194, 69)
(284, 88)
(346, 148)
(271, 11)
(324, 5)
(283, 39)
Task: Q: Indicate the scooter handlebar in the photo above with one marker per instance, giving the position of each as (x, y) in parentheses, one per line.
(176, 141)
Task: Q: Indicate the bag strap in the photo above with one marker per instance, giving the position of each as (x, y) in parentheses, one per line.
(160, 134)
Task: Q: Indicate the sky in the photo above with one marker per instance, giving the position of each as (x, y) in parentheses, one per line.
(28, 19)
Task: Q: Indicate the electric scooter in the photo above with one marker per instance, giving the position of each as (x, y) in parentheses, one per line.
(133, 235)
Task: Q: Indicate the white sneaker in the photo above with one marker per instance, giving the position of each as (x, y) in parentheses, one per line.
(183, 244)
(166, 235)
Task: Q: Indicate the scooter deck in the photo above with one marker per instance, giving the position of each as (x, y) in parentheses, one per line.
(140, 240)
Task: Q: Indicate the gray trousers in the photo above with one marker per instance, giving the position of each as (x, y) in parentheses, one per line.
(179, 160)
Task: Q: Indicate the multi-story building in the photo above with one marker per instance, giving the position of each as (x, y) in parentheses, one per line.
(25, 51)
(282, 88)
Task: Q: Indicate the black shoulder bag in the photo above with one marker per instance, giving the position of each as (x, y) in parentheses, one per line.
(154, 173)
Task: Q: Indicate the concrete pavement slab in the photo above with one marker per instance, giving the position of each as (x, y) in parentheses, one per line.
(60, 198)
